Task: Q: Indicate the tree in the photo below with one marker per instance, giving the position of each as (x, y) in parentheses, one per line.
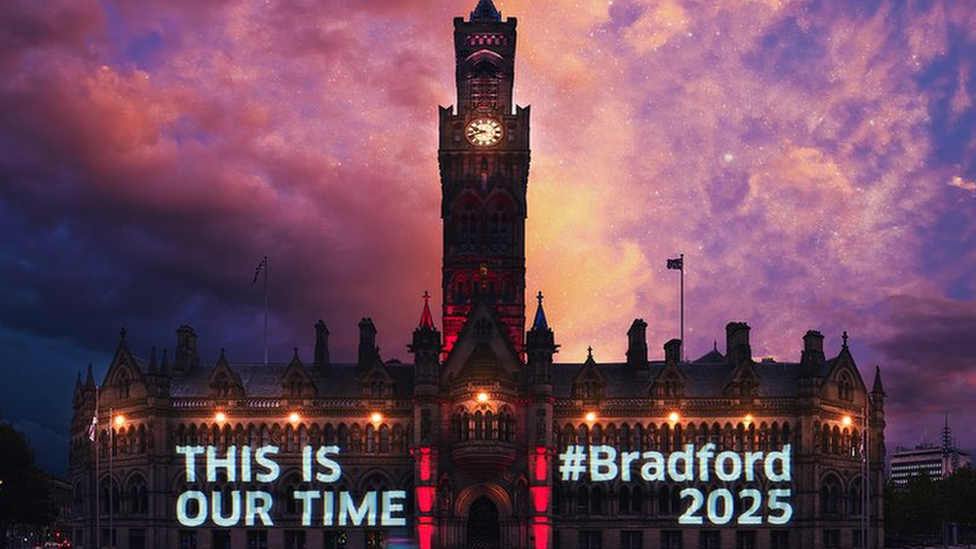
(25, 495)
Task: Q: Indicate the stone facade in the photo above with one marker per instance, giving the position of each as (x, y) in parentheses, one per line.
(474, 427)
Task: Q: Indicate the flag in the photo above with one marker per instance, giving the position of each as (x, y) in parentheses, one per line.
(262, 265)
(93, 427)
(677, 264)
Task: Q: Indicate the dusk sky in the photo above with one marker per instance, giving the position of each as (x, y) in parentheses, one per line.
(815, 160)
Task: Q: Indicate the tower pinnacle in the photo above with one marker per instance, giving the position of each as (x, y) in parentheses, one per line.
(426, 320)
(485, 12)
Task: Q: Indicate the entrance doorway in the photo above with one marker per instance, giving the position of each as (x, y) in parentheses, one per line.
(484, 530)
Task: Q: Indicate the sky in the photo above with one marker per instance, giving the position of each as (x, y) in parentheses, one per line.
(813, 160)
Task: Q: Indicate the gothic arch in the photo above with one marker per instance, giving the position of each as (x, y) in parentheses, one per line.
(494, 492)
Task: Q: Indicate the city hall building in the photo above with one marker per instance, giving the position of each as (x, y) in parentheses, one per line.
(475, 430)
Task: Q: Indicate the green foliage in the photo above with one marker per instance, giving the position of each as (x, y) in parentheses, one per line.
(919, 509)
(25, 495)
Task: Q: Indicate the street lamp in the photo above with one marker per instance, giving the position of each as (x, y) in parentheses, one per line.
(376, 417)
(482, 397)
(119, 421)
(294, 417)
(673, 417)
(590, 417)
(220, 417)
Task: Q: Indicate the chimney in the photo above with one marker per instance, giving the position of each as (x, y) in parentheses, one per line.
(672, 351)
(321, 344)
(367, 343)
(813, 353)
(637, 344)
(186, 349)
(737, 348)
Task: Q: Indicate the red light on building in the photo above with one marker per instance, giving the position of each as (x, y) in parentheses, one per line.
(425, 498)
(425, 532)
(425, 464)
(541, 533)
(541, 466)
(540, 498)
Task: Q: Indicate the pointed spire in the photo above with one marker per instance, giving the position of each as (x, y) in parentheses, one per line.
(123, 333)
(486, 12)
(540, 322)
(878, 386)
(164, 365)
(426, 320)
(89, 378)
(589, 353)
(153, 366)
(294, 356)
(844, 337)
(223, 358)
(78, 382)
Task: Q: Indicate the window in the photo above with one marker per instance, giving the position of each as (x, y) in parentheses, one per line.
(294, 539)
(335, 539)
(590, 539)
(671, 539)
(221, 539)
(631, 540)
(745, 539)
(845, 388)
(709, 539)
(188, 539)
(831, 539)
(257, 539)
(375, 539)
(780, 539)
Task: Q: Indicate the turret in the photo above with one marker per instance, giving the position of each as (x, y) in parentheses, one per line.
(368, 351)
(737, 348)
(321, 345)
(540, 346)
(426, 347)
(812, 357)
(637, 344)
(186, 350)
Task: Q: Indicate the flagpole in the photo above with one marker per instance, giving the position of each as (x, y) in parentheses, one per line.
(682, 357)
(98, 503)
(111, 479)
(867, 473)
(265, 310)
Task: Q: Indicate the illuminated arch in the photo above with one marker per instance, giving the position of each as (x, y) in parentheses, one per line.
(494, 492)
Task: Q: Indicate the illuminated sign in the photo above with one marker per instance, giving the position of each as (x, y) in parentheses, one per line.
(603, 463)
(252, 507)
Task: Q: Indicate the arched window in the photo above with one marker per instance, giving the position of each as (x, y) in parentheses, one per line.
(845, 387)
(623, 501)
(384, 439)
(636, 500)
(830, 496)
(123, 383)
(596, 501)
(582, 501)
(664, 501)
(856, 505)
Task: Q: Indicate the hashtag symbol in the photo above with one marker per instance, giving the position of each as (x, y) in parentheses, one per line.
(572, 462)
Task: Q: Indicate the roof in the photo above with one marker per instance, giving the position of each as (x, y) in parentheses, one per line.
(340, 380)
(704, 379)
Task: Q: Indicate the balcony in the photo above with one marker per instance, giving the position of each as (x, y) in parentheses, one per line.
(483, 455)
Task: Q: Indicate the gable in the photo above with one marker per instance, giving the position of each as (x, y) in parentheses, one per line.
(482, 349)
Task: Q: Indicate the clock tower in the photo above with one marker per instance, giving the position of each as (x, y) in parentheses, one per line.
(484, 167)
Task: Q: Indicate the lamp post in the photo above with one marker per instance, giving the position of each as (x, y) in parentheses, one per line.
(116, 420)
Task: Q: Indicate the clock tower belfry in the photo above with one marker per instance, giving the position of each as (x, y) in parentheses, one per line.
(484, 165)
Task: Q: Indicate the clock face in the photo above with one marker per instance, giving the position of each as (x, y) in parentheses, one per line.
(484, 132)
